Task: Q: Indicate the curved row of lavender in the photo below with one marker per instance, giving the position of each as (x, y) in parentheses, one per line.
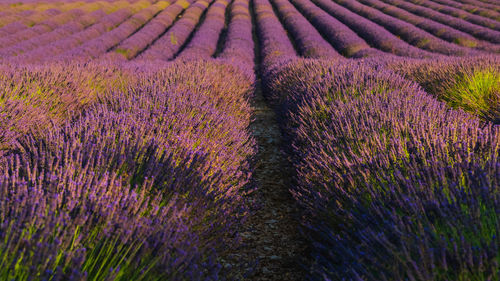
(308, 40)
(239, 47)
(274, 43)
(485, 4)
(40, 28)
(100, 45)
(393, 184)
(477, 10)
(436, 28)
(168, 45)
(24, 20)
(406, 31)
(203, 45)
(143, 180)
(462, 25)
(56, 48)
(58, 33)
(133, 45)
(160, 32)
(27, 15)
(372, 32)
(479, 20)
(345, 41)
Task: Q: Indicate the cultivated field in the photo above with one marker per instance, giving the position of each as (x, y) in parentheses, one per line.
(250, 140)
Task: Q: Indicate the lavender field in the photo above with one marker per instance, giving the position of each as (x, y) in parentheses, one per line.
(250, 140)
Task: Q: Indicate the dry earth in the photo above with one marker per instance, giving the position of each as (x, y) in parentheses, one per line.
(271, 248)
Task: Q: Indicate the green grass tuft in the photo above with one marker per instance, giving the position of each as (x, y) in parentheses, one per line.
(477, 92)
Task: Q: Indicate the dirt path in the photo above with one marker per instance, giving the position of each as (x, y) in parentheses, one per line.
(271, 244)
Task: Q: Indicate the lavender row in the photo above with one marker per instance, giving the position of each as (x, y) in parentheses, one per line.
(63, 45)
(144, 185)
(477, 31)
(406, 31)
(204, 42)
(59, 33)
(475, 19)
(14, 23)
(472, 84)
(373, 33)
(492, 14)
(36, 98)
(31, 14)
(345, 41)
(307, 39)
(42, 28)
(239, 44)
(100, 45)
(168, 45)
(438, 29)
(133, 45)
(393, 184)
(485, 4)
(42, 14)
(275, 45)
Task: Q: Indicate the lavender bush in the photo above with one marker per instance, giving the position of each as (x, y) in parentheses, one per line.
(486, 4)
(394, 185)
(472, 84)
(36, 98)
(146, 183)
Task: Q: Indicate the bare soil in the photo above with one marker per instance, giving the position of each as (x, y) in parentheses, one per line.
(272, 247)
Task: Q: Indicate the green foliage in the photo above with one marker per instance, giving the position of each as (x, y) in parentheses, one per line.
(477, 92)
